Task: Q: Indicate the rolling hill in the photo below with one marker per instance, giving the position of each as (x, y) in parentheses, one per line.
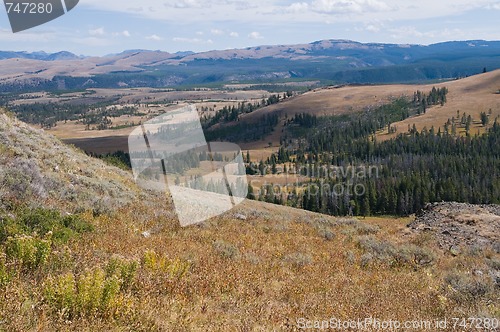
(471, 95)
(107, 255)
(339, 61)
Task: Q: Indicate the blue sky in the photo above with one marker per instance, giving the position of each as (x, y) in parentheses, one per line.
(99, 27)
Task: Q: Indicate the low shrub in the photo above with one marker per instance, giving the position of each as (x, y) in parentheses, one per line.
(5, 276)
(124, 270)
(326, 234)
(27, 251)
(298, 259)
(350, 257)
(413, 255)
(42, 221)
(60, 294)
(466, 288)
(404, 255)
(366, 229)
(381, 250)
(175, 269)
(22, 179)
(92, 294)
(9, 227)
(494, 263)
(63, 228)
(366, 260)
(226, 250)
(252, 258)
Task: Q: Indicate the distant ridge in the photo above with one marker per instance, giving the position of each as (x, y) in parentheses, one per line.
(63, 55)
(331, 61)
(317, 48)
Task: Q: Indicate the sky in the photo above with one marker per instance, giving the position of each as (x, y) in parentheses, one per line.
(100, 27)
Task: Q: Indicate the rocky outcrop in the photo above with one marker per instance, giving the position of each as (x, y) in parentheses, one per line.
(457, 225)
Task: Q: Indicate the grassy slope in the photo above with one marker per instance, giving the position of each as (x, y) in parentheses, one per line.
(260, 274)
(472, 95)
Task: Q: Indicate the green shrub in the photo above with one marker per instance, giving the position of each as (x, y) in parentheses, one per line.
(42, 221)
(124, 270)
(9, 227)
(90, 295)
(5, 276)
(77, 224)
(175, 268)
(27, 251)
(60, 294)
(95, 292)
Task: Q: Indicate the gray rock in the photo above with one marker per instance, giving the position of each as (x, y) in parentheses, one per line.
(455, 251)
(457, 225)
(240, 216)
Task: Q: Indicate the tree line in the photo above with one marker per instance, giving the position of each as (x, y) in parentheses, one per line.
(416, 167)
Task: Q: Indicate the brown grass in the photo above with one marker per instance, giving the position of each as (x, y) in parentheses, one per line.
(260, 274)
(471, 95)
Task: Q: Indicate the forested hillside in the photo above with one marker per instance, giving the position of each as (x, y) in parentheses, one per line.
(412, 169)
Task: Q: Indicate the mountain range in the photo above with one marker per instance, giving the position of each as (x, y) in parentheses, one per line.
(332, 61)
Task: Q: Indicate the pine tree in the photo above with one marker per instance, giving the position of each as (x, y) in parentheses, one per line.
(365, 207)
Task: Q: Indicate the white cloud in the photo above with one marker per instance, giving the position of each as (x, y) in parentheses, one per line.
(255, 35)
(154, 37)
(409, 31)
(372, 28)
(280, 21)
(298, 7)
(494, 5)
(189, 4)
(217, 32)
(124, 33)
(298, 11)
(348, 6)
(97, 32)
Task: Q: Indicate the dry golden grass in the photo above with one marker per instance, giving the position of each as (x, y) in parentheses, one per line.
(471, 95)
(260, 274)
